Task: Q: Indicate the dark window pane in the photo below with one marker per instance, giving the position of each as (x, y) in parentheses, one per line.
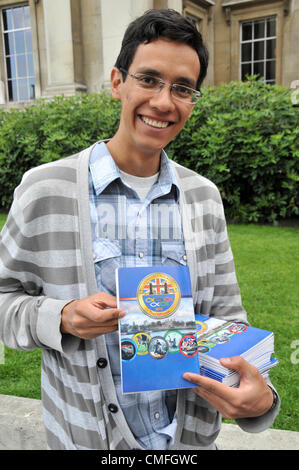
(245, 70)
(259, 29)
(258, 68)
(246, 31)
(9, 43)
(246, 52)
(271, 27)
(31, 88)
(259, 50)
(18, 53)
(12, 90)
(18, 17)
(20, 42)
(270, 70)
(7, 19)
(23, 89)
(11, 67)
(271, 49)
(21, 65)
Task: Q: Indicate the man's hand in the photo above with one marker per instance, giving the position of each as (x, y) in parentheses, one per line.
(91, 316)
(252, 398)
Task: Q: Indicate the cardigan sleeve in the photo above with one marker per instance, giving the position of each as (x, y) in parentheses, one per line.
(29, 318)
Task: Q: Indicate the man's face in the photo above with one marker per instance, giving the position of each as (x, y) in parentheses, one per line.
(149, 121)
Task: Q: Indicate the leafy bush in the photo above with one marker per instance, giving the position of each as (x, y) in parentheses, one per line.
(49, 130)
(242, 136)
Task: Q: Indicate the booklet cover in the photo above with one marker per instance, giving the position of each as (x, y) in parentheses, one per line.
(218, 338)
(158, 334)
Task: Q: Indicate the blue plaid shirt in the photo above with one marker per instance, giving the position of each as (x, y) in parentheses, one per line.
(129, 232)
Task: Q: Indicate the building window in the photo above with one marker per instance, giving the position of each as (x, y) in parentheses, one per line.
(17, 38)
(258, 48)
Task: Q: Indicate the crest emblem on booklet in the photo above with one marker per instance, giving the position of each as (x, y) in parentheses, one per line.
(158, 295)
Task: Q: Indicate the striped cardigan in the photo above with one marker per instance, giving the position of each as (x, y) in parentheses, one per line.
(46, 261)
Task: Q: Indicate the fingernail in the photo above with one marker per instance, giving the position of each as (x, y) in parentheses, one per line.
(187, 376)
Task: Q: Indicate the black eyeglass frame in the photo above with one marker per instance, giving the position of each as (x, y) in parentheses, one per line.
(196, 93)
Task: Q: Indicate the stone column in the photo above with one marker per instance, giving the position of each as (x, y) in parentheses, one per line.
(175, 5)
(62, 35)
(290, 50)
(115, 18)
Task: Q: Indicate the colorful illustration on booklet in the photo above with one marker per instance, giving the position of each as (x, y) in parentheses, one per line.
(142, 341)
(188, 345)
(158, 295)
(128, 350)
(216, 333)
(158, 347)
(158, 334)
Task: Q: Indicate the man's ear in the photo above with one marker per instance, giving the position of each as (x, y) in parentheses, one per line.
(116, 81)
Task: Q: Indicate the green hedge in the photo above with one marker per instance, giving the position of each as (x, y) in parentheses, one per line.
(49, 130)
(242, 136)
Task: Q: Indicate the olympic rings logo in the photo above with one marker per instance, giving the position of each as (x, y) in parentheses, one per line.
(162, 303)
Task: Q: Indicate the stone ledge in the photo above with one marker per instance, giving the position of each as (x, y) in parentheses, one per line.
(21, 428)
(21, 424)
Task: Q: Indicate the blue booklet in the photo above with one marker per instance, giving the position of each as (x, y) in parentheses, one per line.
(218, 339)
(158, 334)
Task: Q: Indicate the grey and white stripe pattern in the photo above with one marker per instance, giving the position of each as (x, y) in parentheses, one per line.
(46, 261)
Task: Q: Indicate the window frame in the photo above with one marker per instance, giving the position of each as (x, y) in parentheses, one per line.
(249, 13)
(35, 56)
(254, 40)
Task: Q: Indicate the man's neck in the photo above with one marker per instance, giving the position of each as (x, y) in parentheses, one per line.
(134, 161)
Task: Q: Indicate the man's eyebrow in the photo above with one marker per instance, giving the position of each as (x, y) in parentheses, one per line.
(181, 80)
(148, 71)
(186, 81)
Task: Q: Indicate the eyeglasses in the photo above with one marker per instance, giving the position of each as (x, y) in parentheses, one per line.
(153, 84)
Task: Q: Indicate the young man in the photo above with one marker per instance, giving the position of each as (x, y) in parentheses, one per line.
(74, 221)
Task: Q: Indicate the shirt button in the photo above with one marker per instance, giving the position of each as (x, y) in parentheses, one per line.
(185, 257)
(157, 415)
(102, 362)
(113, 408)
(141, 255)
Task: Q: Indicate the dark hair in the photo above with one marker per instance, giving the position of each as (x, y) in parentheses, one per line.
(164, 23)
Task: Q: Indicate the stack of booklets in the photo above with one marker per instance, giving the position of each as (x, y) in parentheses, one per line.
(161, 337)
(218, 339)
(158, 334)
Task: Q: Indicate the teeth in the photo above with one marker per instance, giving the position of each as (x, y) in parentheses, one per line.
(153, 123)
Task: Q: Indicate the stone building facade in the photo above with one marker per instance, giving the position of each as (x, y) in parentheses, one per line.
(53, 47)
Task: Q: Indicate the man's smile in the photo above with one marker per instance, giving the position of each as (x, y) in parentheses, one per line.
(155, 122)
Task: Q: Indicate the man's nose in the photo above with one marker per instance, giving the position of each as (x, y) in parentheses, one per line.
(163, 99)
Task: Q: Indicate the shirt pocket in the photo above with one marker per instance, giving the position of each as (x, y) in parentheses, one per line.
(173, 253)
(106, 257)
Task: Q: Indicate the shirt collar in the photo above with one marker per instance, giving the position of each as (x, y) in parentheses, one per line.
(104, 171)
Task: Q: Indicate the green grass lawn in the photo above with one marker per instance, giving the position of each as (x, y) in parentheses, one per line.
(267, 266)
